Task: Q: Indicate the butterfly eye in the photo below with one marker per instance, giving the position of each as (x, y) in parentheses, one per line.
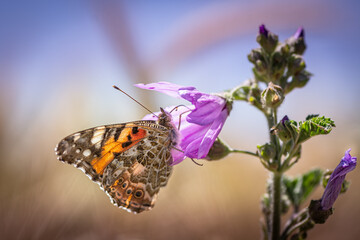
(139, 193)
(124, 185)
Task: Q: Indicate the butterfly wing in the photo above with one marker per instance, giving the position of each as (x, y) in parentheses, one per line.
(129, 161)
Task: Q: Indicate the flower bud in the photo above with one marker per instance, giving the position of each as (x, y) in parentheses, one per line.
(260, 66)
(267, 40)
(279, 62)
(297, 42)
(266, 151)
(283, 130)
(298, 81)
(295, 64)
(336, 180)
(302, 78)
(218, 150)
(272, 96)
(255, 55)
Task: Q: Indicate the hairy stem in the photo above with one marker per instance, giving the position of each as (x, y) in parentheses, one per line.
(274, 232)
(276, 206)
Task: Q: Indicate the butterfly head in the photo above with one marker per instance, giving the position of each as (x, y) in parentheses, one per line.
(165, 118)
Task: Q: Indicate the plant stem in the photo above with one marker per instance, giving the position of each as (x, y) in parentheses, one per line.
(276, 205)
(272, 120)
(274, 232)
(244, 152)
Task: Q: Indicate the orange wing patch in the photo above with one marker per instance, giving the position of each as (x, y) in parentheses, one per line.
(128, 137)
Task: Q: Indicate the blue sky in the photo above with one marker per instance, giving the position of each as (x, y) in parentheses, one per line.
(49, 47)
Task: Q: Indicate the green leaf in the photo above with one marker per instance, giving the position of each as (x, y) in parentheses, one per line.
(310, 116)
(314, 126)
(299, 188)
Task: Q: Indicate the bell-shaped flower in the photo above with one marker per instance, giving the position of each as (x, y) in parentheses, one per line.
(200, 123)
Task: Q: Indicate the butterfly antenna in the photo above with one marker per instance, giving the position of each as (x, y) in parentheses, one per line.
(181, 105)
(199, 164)
(117, 88)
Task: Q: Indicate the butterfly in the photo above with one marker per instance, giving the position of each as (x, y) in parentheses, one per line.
(130, 161)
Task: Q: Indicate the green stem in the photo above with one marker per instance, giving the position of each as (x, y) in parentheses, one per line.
(274, 232)
(285, 166)
(272, 121)
(244, 152)
(276, 206)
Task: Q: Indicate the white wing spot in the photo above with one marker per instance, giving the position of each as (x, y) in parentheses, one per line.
(76, 136)
(87, 152)
(77, 150)
(98, 135)
(98, 145)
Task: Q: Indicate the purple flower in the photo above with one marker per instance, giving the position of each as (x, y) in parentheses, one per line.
(333, 187)
(299, 33)
(200, 123)
(263, 30)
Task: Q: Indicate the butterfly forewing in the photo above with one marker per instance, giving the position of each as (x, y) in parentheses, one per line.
(129, 161)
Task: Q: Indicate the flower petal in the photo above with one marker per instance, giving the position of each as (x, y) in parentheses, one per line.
(212, 134)
(170, 89)
(199, 139)
(333, 187)
(178, 156)
(192, 137)
(207, 106)
(299, 33)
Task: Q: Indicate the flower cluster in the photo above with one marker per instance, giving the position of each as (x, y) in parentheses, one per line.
(200, 123)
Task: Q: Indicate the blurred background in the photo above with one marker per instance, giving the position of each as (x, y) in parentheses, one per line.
(58, 61)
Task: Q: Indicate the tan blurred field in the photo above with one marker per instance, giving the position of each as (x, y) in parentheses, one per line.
(65, 86)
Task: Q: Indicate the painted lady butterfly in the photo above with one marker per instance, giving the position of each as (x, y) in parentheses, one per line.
(130, 161)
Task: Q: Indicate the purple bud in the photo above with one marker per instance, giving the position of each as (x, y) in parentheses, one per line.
(285, 118)
(333, 188)
(263, 30)
(299, 33)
